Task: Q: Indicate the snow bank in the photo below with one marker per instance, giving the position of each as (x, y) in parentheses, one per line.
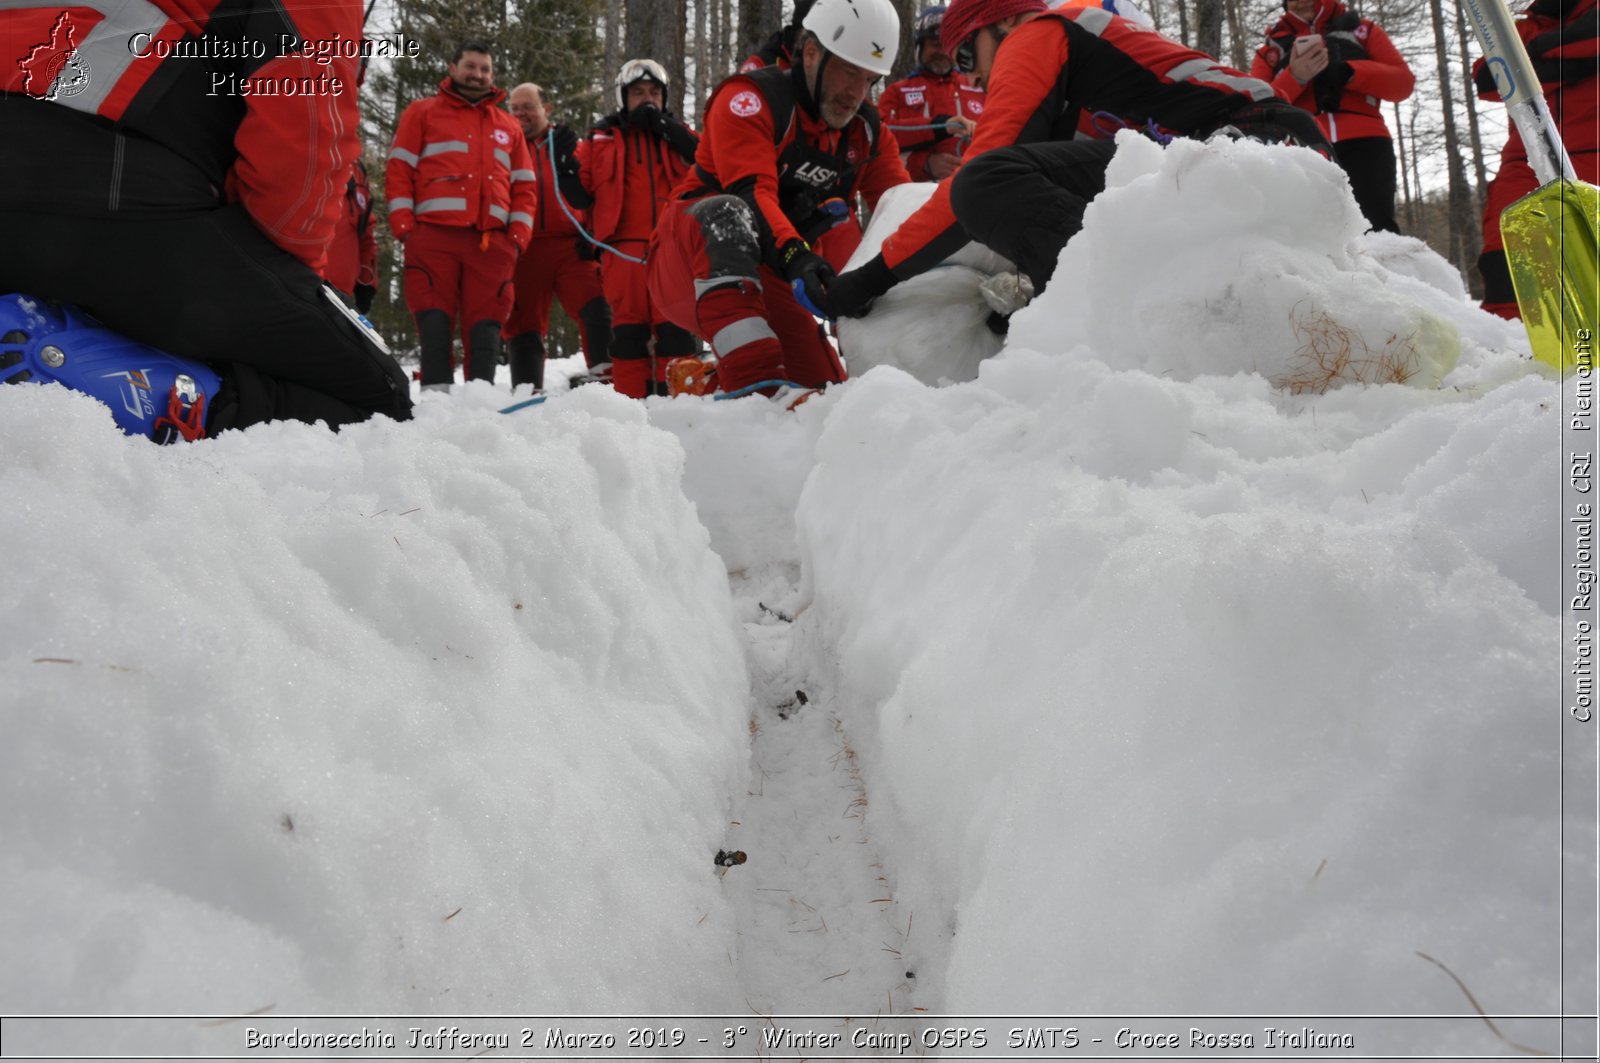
(1181, 694)
(440, 717)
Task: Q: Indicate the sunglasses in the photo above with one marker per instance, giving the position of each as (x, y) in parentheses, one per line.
(966, 54)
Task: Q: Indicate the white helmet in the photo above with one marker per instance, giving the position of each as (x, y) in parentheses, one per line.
(863, 32)
(640, 70)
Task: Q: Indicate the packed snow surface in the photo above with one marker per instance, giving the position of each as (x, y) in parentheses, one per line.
(1127, 676)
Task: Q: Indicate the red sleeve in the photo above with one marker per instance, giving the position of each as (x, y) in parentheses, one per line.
(1383, 73)
(1285, 84)
(400, 174)
(739, 148)
(583, 155)
(1026, 67)
(295, 151)
(524, 192)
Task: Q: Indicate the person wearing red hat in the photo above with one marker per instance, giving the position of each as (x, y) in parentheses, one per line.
(1023, 185)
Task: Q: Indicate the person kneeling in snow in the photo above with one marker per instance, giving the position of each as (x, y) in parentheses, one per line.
(783, 155)
(188, 204)
(1023, 185)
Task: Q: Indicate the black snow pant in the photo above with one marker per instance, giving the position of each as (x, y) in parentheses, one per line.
(1369, 163)
(1026, 201)
(133, 233)
(212, 287)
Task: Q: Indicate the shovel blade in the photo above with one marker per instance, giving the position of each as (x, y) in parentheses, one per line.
(1551, 249)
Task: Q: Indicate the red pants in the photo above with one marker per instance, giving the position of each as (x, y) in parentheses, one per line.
(551, 268)
(723, 293)
(463, 272)
(643, 338)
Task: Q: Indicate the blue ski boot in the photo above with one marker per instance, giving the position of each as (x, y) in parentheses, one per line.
(151, 393)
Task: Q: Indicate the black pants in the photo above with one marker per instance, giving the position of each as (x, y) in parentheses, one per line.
(1369, 163)
(1026, 201)
(209, 285)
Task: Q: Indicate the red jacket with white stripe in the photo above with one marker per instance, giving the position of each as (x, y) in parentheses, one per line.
(629, 173)
(461, 162)
(924, 98)
(133, 121)
(1563, 41)
(1036, 94)
(1377, 71)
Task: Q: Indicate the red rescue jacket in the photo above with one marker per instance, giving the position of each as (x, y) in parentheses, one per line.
(461, 162)
(1563, 41)
(629, 173)
(353, 252)
(548, 217)
(787, 173)
(1345, 100)
(88, 81)
(923, 98)
(1034, 95)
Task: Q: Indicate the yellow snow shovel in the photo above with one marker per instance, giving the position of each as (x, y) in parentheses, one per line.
(1550, 234)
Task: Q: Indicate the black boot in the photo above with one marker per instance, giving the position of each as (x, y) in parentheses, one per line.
(527, 359)
(595, 321)
(435, 334)
(483, 340)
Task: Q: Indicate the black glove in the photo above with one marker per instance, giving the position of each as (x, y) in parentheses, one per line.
(565, 143)
(365, 293)
(645, 117)
(677, 136)
(1329, 85)
(588, 251)
(853, 292)
(809, 274)
(943, 130)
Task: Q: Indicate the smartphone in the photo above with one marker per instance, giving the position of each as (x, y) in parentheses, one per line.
(1302, 43)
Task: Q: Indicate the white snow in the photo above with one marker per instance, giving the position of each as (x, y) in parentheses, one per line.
(1134, 683)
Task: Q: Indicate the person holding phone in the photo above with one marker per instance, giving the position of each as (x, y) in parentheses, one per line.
(1327, 59)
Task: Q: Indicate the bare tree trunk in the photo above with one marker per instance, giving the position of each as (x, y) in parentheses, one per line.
(1400, 141)
(905, 56)
(702, 58)
(1479, 172)
(1460, 198)
(613, 39)
(1419, 192)
(675, 51)
(1183, 22)
(758, 19)
(1239, 50)
(1208, 27)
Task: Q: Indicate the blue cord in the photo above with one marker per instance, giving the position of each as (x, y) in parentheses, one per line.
(555, 179)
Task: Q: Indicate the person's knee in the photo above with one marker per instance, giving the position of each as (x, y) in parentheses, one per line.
(675, 342)
(729, 227)
(630, 342)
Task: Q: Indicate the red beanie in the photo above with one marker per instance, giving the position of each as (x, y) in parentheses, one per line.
(963, 18)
